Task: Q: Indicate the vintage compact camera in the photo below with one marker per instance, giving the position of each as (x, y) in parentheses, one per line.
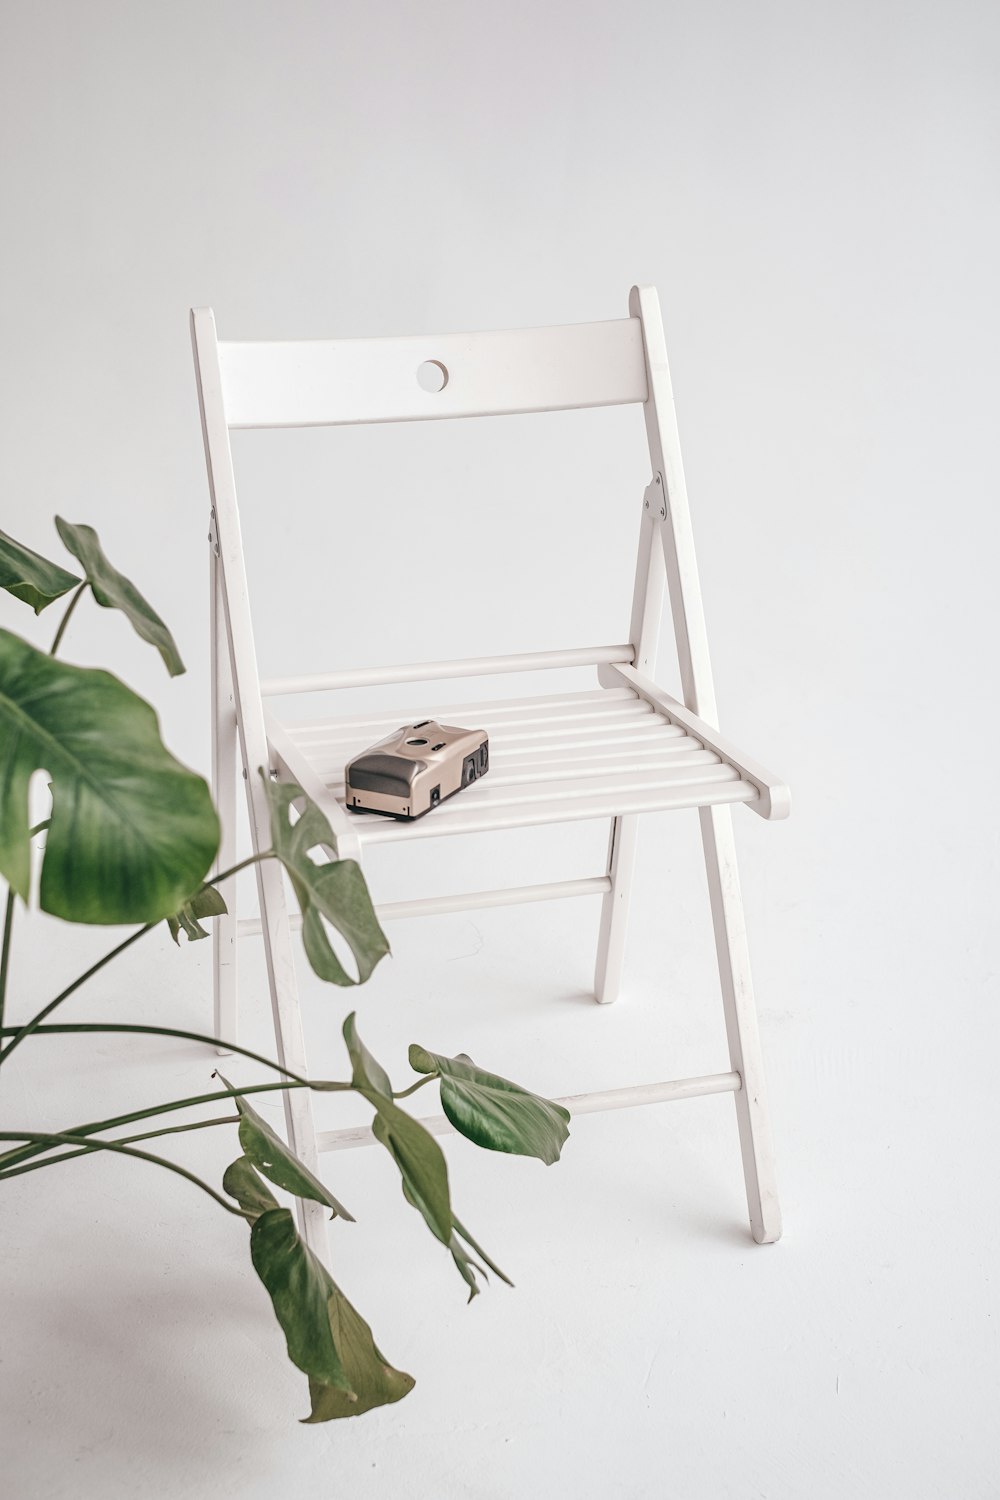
(415, 768)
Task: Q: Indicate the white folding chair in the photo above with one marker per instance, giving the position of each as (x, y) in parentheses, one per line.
(625, 748)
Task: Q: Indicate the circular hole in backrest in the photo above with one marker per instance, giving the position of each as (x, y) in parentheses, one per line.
(432, 376)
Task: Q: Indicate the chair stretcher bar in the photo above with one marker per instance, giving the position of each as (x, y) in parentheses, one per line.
(577, 1104)
(437, 671)
(435, 906)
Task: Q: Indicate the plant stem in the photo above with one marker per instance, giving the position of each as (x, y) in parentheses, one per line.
(8, 923)
(36, 1020)
(91, 1146)
(125, 1140)
(62, 1027)
(11, 1158)
(427, 1078)
(66, 617)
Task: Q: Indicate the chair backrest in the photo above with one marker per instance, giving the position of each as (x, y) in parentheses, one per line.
(332, 382)
(312, 384)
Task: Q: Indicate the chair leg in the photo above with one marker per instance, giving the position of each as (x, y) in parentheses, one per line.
(741, 1022)
(224, 774)
(614, 909)
(300, 1127)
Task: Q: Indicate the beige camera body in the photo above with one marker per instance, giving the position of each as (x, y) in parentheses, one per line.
(414, 769)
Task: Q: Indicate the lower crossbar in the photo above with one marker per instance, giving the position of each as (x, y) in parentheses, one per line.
(577, 1104)
(436, 906)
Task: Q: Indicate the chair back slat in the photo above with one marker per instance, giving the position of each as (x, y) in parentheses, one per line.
(318, 384)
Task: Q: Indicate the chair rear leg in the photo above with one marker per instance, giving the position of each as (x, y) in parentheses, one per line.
(300, 1127)
(614, 909)
(224, 776)
(741, 1022)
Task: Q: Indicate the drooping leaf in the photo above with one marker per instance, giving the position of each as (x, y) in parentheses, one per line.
(336, 891)
(463, 1233)
(114, 591)
(415, 1151)
(421, 1162)
(30, 577)
(325, 1335)
(133, 832)
(421, 1165)
(207, 902)
(300, 1288)
(492, 1111)
(374, 1381)
(267, 1151)
(251, 1192)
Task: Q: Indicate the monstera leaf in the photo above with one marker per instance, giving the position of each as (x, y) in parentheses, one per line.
(336, 891)
(204, 903)
(492, 1111)
(133, 832)
(114, 591)
(30, 577)
(326, 1337)
(266, 1150)
(421, 1162)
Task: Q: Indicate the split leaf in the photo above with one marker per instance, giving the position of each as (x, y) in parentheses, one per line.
(133, 832)
(204, 903)
(334, 891)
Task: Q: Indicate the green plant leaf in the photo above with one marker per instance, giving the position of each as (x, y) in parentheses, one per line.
(133, 832)
(251, 1192)
(374, 1380)
(466, 1265)
(421, 1165)
(114, 591)
(336, 891)
(492, 1111)
(326, 1336)
(207, 902)
(30, 577)
(368, 1075)
(421, 1162)
(300, 1288)
(268, 1152)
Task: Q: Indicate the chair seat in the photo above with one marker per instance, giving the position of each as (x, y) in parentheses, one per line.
(553, 759)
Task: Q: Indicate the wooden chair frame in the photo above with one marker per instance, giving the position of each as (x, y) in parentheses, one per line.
(253, 385)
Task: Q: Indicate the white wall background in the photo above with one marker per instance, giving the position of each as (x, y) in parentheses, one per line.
(813, 188)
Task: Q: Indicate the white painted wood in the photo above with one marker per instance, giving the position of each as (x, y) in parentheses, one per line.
(224, 753)
(436, 906)
(438, 671)
(291, 765)
(716, 823)
(742, 1032)
(500, 710)
(774, 799)
(375, 380)
(290, 1044)
(675, 532)
(628, 748)
(577, 1104)
(644, 634)
(458, 817)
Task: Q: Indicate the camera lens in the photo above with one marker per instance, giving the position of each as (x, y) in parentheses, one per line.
(416, 742)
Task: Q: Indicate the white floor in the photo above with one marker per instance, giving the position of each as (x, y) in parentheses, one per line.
(649, 1348)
